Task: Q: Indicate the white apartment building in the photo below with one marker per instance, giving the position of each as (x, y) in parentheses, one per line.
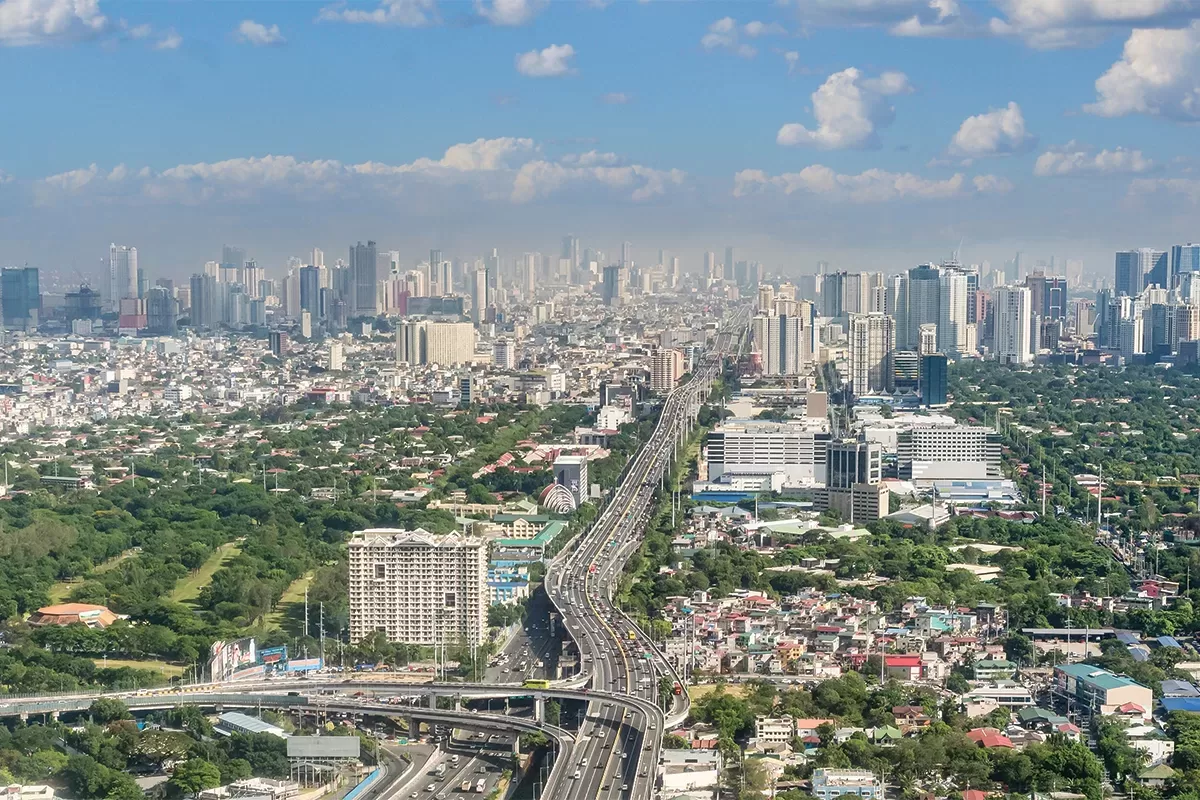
(774, 730)
(504, 354)
(872, 338)
(952, 313)
(417, 587)
(420, 342)
(1013, 310)
(798, 449)
(948, 452)
(779, 339)
(666, 368)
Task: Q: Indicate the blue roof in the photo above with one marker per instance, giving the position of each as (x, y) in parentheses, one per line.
(1168, 641)
(1128, 637)
(1139, 653)
(1181, 703)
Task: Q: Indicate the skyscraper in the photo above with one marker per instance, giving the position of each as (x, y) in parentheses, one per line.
(122, 275)
(1185, 258)
(364, 275)
(232, 257)
(922, 305)
(871, 340)
(479, 295)
(934, 377)
(1137, 269)
(614, 284)
(779, 339)
(310, 289)
(570, 251)
(710, 265)
(626, 254)
(20, 297)
(1013, 315)
(952, 313)
(162, 311)
(833, 298)
(729, 265)
(204, 299)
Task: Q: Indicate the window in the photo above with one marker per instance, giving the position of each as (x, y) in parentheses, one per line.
(450, 600)
(380, 572)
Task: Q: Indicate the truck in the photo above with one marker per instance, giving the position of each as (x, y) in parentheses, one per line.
(465, 786)
(440, 770)
(480, 786)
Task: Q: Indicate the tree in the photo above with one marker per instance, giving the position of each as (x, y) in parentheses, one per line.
(105, 710)
(84, 776)
(194, 775)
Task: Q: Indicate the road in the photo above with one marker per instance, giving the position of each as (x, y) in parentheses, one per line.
(617, 751)
(459, 766)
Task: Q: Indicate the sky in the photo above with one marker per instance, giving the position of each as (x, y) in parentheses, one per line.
(872, 134)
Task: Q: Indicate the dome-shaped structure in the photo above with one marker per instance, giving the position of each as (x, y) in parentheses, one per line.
(557, 498)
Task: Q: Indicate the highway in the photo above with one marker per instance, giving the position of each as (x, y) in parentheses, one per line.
(617, 748)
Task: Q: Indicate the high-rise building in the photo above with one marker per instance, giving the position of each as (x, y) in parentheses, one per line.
(833, 294)
(626, 254)
(162, 311)
(1187, 323)
(570, 251)
(504, 354)
(1012, 310)
(666, 367)
(410, 342)
(871, 340)
(927, 339)
(337, 357)
(364, 276)
(728, 266)
(20, 297)
(318, 257)
(853, 461)
(615, 277)
(310, 289)
(479, 295)
(418, 588)
(935, 373)
(1185, 258)
(710, 265)
(572, 473)
(948, 452)
(205, 304)
(1137, 269)
(232, 257)
(921, 302)
(279, 342)
(952, 313)
(122, 274)
(779, 339)
(449, 343)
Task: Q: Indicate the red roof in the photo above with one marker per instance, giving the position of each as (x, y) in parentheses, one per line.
(902, 661)
(973, 794)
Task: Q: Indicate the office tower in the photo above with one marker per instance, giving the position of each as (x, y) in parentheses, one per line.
(666, 367)
(479, 295)
(871, 340)
(122, 275)
(504, 354)
(780, 343)
(853, 461)
(364, 266)
(614, 285)
(766, 298)
(935, 373)
(710, 265)
(952, 313)
(279, 343)
(204, 313)
(832, 294)
(1137, 269)
(337, 357)
(972, 277)
(162, 311)
(1185, 259)
(1187, 323)
(1013, 307)
(570, 251)
(20, 297)
(728, 265)
(251, 275)
(572, 473)
(921, 302)
(906, 372)
(741, 274)
(418, 588)
(675, 275)
(626, 254)
(232, 257)
(310, 289)
(318, 257)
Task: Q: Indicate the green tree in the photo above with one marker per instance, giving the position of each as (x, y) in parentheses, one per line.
(194, 775)
(106, 709)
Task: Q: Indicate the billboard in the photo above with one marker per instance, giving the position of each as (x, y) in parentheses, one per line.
(305, 664)
(272, 655)
(226, 658)
(248, 673)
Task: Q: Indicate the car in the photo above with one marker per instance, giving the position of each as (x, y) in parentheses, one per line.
(431, 788)
(624, 787)
(415, 794)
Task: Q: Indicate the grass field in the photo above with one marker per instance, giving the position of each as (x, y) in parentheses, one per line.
(697, 692)
(60, 591)
(293, 597)
(188, 589)
(161, 667)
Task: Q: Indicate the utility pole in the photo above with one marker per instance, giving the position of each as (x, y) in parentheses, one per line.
(322, 633)
(306, 628)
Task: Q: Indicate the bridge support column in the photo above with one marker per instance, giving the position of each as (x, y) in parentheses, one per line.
(516, 745)
(54, 716)
(458, 702)
(432, 700)
(539, 708)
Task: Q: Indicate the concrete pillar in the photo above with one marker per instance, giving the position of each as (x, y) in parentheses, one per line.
(432, 700)
(458, 702)
(516, 746)
(539, 707)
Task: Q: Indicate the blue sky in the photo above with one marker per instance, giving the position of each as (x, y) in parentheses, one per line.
(802, 130)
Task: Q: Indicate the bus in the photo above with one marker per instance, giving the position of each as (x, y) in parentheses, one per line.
(535, 683)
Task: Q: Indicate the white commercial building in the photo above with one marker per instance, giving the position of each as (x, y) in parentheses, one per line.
(1013, 309)
(420, 342)
(798, 449)
(417, 587)
(122, 275)
(952, 313)
(504, 354)
(957, 452)
(871, 340)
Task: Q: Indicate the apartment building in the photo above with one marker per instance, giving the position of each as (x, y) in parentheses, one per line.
(948, 452)
(829, 784)
(1091, 690)
(418, 587)
(666, 368)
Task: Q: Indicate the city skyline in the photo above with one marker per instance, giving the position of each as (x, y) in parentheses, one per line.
(546, 114)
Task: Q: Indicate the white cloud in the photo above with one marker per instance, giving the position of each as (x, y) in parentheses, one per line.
(402, 13)
(991, 184)
(1072, 23)
(793, 61)
(137, 31)
(504, 169)
(551, 62)
(1076, 159)
(171, 40)
(540, 178)
(870, 186)
(34, 22)
(5, 177)
(615, 98)
(1000, 131)
(1158, 75)
(724, 34)
(257, 34)
(755, 29)
(508, 12)
(849, 110)
(1188, 187)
